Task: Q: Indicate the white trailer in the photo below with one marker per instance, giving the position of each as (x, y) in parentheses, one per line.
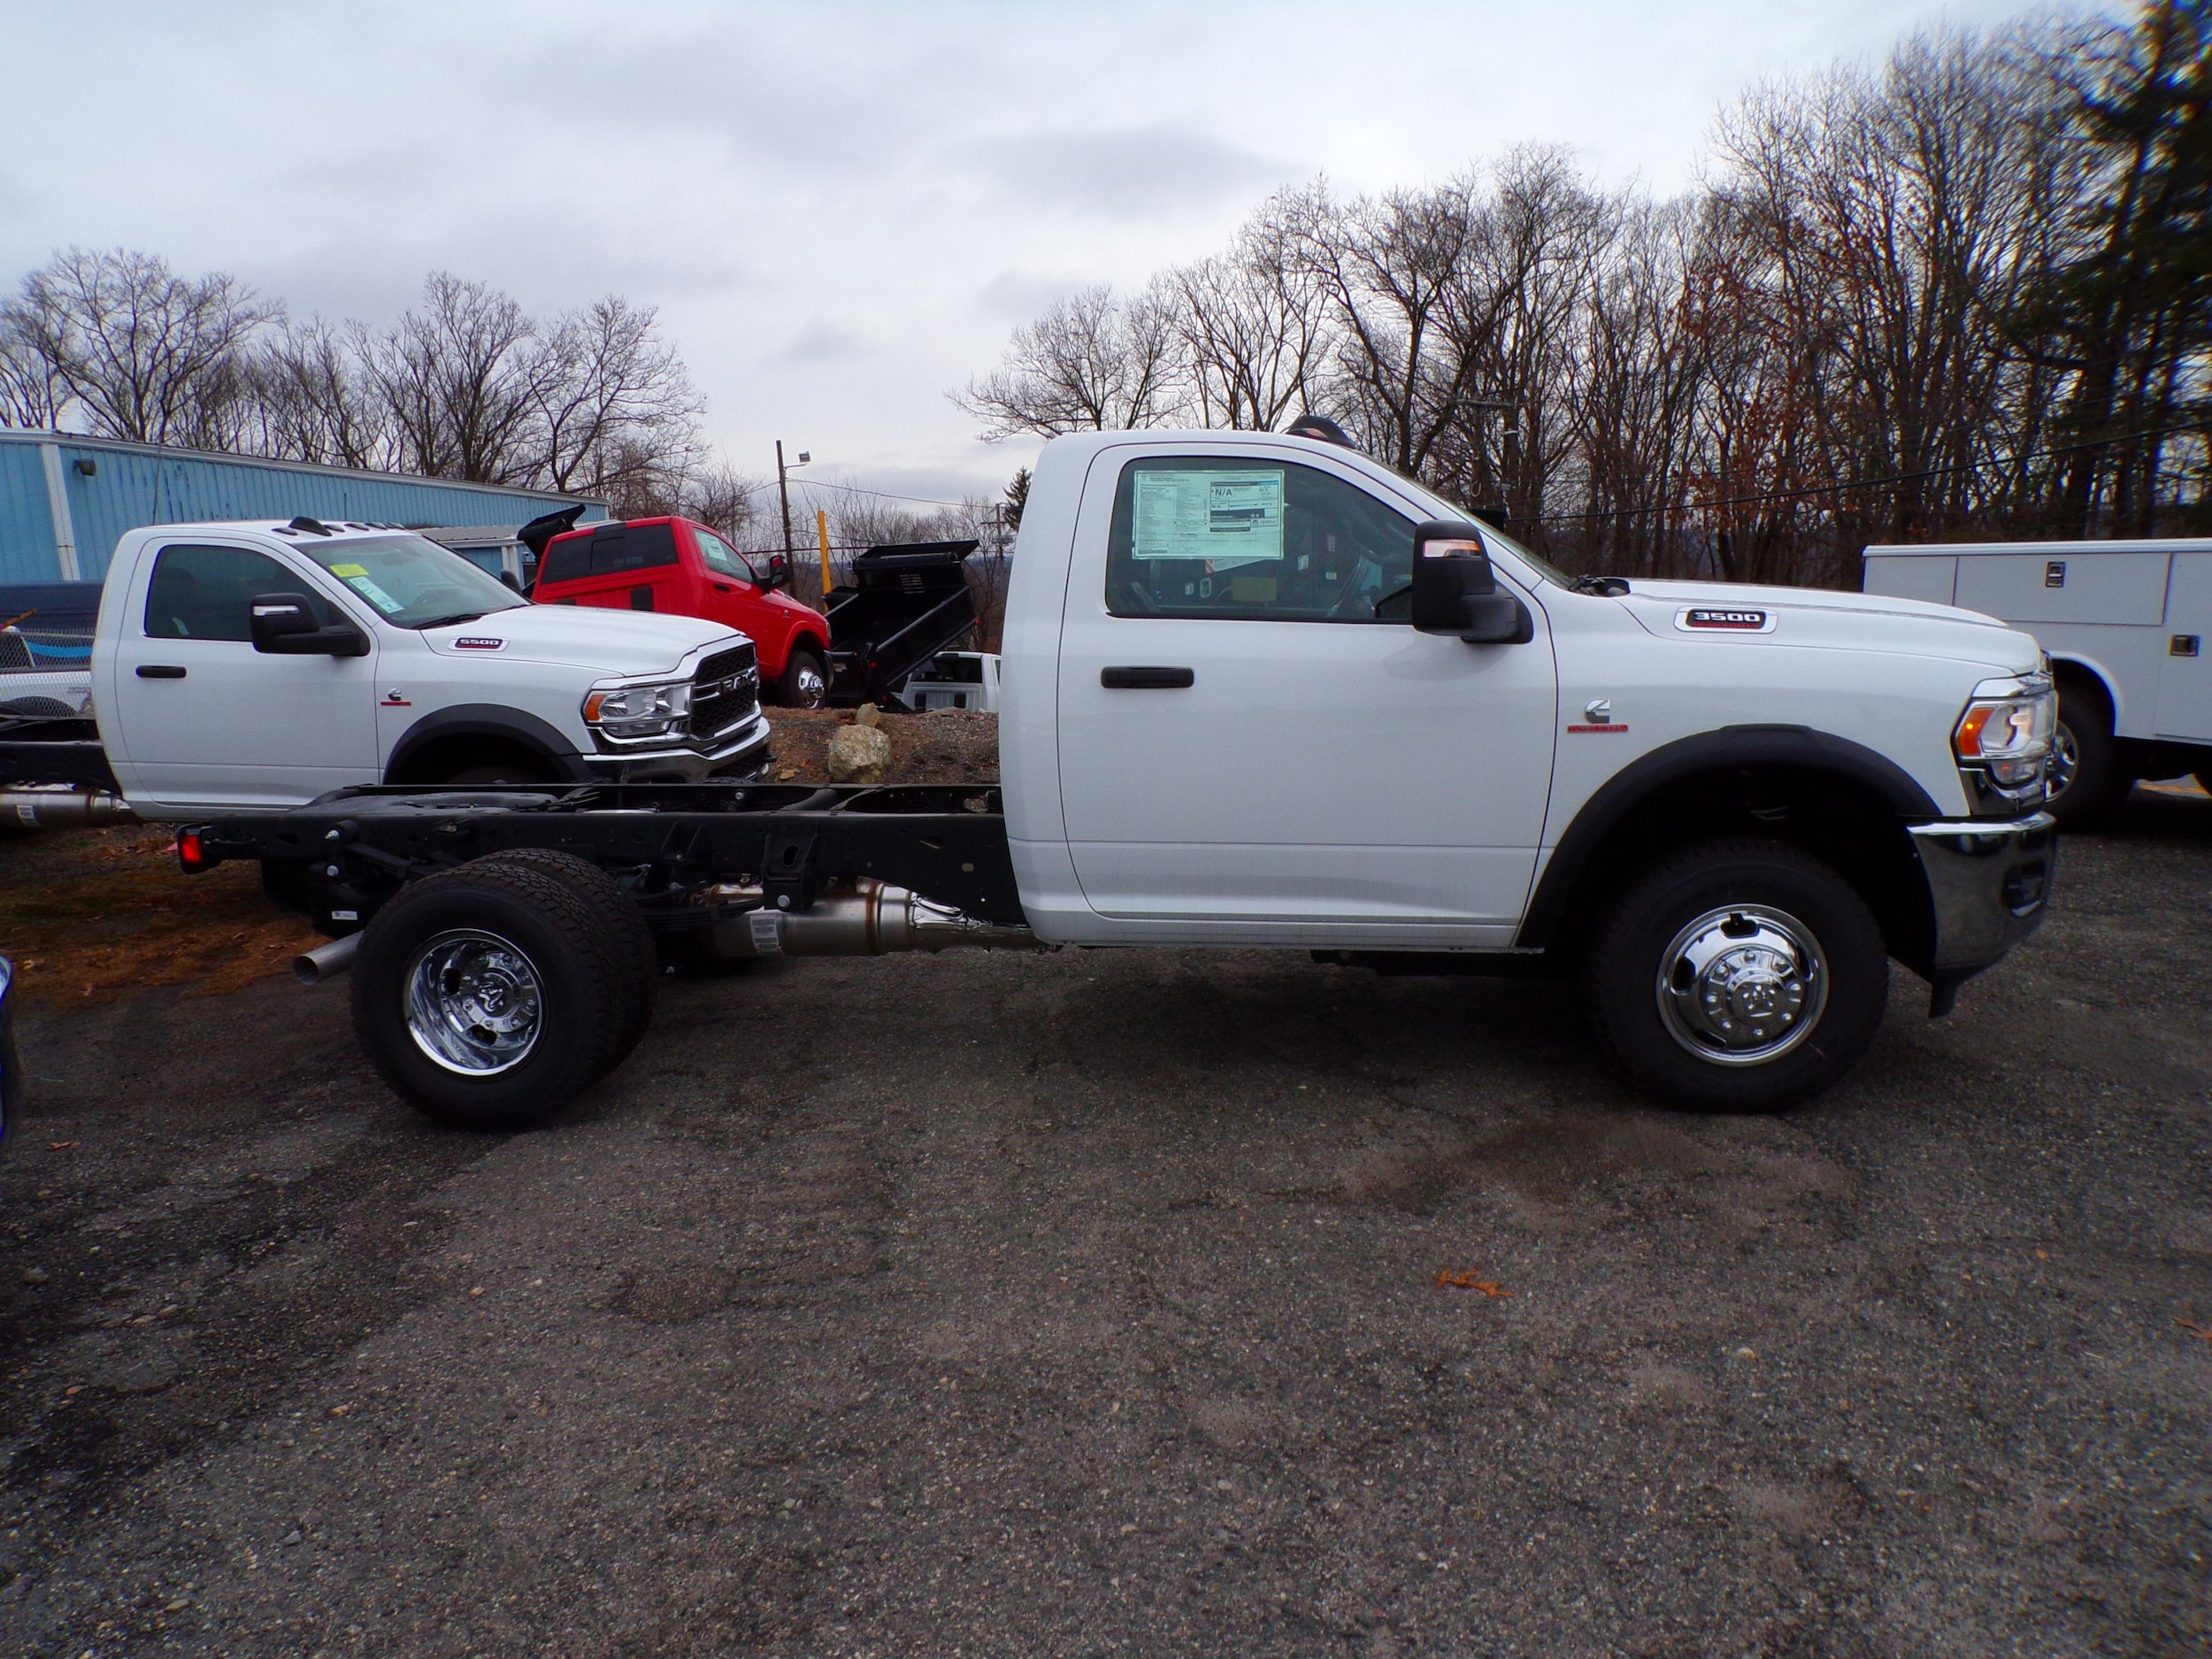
(2125, 624)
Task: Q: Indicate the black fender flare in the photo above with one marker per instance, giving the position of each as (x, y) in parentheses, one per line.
(1799, 747)
(489, 720)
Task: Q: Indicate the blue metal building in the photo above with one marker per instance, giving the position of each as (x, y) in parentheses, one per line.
(65, 499)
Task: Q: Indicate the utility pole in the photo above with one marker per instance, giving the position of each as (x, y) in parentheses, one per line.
(783, 494)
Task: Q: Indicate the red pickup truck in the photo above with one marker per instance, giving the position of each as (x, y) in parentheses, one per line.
(674, 566)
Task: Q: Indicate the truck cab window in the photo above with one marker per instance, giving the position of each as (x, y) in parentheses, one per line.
(206, 593)
(1257, 540)
(719, 556)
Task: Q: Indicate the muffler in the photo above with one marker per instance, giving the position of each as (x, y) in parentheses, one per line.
(60, 807)
(864, 920)
(326, 962)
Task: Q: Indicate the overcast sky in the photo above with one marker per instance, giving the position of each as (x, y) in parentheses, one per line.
(840, 211)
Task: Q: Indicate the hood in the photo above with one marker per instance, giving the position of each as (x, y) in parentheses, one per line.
(582, 636)
(1742, 614)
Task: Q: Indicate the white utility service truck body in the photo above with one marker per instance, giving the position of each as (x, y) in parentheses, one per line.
(1260, 691)
(2125, 624)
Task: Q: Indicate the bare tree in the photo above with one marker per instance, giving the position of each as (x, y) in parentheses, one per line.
(727, 501)
(464, 380)
(614, 397)
(33, 392)
(308, 398)
(1253, 326)
(145, 354)
(1093, 362)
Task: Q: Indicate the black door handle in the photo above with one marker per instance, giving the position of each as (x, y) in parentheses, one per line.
(1146, 679)
(160, 670)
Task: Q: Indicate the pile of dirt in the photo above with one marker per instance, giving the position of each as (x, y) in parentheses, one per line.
(949, 746)
(87, 913)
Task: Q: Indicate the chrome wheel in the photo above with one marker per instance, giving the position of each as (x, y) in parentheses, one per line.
(808, 687)
(475, 1004)
(1742, 985)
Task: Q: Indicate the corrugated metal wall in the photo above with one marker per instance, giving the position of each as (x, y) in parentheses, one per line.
(26, 529)
(134, 484)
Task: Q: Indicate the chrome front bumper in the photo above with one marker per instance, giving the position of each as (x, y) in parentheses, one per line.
(746, 750)
(1988, 886)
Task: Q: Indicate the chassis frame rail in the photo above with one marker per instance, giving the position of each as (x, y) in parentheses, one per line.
(345, 853)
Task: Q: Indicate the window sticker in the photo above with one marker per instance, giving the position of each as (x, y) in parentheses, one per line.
(1227, 519)
(348, 570)
(369, 590)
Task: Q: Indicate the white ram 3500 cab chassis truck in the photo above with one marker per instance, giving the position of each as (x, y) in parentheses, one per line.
(1261, 691)
(257, 666)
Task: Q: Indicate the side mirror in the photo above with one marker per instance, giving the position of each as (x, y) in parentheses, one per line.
(778, 572)
(284, 624)
(1455, 591)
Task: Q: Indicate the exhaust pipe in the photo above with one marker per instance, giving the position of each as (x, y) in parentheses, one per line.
(61, 807)
(866, 919)
(326, 962)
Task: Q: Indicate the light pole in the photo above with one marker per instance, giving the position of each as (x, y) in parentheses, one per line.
(783, 495)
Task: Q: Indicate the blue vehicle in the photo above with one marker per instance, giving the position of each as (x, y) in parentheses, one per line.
(11, 1068)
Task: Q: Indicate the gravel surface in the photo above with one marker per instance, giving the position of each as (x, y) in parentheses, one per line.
(1091, 1303)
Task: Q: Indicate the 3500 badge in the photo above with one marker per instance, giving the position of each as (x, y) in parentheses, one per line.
(1723, 620)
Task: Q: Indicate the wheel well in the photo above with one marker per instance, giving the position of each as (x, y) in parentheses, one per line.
(443, 756)
(1846, 824)
(2067, 672)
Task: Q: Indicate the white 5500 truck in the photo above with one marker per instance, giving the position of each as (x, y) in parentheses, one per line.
(1260, 691)
(260, 665)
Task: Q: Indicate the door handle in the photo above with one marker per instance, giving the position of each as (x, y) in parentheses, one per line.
(1146, 679)
(160, 670)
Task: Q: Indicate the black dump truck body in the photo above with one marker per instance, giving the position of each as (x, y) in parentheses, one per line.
(905, 603)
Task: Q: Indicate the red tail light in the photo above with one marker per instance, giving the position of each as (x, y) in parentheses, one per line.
(192, 852)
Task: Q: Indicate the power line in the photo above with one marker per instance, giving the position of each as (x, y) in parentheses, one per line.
(1863, 483)
(855, 489)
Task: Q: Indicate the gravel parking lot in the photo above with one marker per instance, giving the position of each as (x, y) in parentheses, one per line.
(1093, 1303)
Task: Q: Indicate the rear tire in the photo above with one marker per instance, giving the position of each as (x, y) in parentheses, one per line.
(634, 970)
(2087, 780)
(804, 682)
(484, 996)
(1739, 976)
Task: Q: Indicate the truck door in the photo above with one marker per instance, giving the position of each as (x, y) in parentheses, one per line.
(2184, 681)
(203, 717)
(1250, 732)
(735, 601)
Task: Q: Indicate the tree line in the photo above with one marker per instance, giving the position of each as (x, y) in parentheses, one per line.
(464, 385)
(1962, 294)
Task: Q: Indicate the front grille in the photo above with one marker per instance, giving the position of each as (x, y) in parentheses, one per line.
(725, 691)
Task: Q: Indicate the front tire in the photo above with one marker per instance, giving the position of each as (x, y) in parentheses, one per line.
(2087, 780)
(1739, 976)
(484, 996)
(804, 682)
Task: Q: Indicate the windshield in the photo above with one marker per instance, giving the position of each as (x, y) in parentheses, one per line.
(411, 582)
(1443, 509)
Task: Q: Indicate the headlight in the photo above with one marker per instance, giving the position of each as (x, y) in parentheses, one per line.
(2008, 735)
(639, 711)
